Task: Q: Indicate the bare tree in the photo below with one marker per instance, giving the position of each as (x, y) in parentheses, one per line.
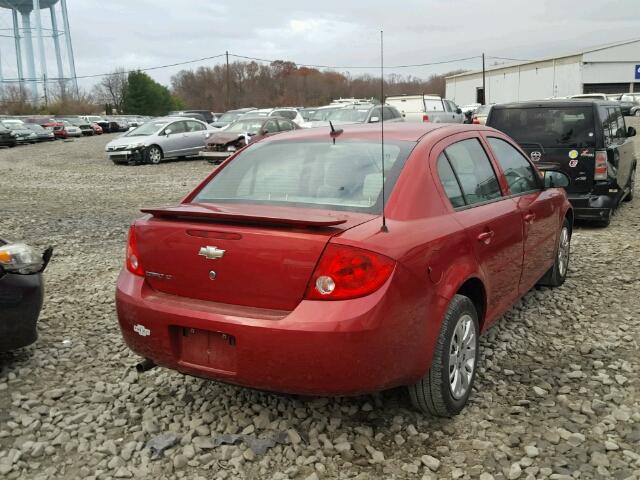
(111, 89)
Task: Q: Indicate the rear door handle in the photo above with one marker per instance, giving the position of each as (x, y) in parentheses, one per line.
(486, 237)
(529, 217)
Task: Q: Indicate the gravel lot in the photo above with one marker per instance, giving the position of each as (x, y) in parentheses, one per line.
(557, 395)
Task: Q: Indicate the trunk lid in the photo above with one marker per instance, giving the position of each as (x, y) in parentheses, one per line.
(577, 163)
(260, 256)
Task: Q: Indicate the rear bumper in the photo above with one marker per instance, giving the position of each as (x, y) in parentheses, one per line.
(20, 303)
(320, 348)
(591, 207)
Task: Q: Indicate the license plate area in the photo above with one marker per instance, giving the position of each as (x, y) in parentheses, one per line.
(204, 348)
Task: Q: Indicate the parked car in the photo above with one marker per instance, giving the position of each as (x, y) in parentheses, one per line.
(204, 115)
(231, 116)
(586, 139)
(21, 293)
(364, 113)
(22, 133)
(426, 108)
(307, 113)
(240, 133)
(98, 120)
(290, 114)
(279, 271)
(72, 130)
(56, 126)
(97, 129)
(321, 115)
(162, 138)
(7, 137)
(481, 114)
(82, 124)
(42, 133)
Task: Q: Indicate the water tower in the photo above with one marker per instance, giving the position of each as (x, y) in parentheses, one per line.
(37, 20)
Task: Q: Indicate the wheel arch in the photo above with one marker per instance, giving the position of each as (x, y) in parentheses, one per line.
(474, 289)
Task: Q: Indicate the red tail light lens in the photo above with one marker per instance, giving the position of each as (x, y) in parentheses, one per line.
(425, 118)
(601, 169)
(133, 259)
(348, 272)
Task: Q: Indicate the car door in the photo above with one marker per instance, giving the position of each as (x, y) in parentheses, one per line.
(175, 141)
(491, 220)
(622, 149)
(536, 206)
(196, 132)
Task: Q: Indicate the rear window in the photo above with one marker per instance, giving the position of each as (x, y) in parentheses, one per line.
(311, 174)
(559, 127)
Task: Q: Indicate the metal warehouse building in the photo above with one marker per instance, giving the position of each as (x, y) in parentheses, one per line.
(613, 68)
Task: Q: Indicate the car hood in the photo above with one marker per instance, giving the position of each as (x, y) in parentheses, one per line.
(224, 137)
(22, 131)
(220, 124)
(123, 141)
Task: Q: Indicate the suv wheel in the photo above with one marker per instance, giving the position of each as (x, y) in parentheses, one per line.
(632, 186)
(558, 273)
(444, 390)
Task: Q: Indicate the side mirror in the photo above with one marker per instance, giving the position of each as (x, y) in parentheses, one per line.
(374, 119)
(458, 111)
(167, 132)
(554, 179)
(631, 132)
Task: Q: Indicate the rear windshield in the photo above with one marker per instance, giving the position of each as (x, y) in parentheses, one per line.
(311, 174)
(561, 127)
(349, 115)
(323, 114)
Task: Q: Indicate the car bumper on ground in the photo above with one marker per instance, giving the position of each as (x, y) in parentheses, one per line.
(588, 206)
(373, 346)
(20, 303)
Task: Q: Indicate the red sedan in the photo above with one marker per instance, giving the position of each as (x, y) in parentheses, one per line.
(279, 271)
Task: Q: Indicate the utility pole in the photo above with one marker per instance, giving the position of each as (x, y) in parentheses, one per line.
(484, 83)
(228, 83)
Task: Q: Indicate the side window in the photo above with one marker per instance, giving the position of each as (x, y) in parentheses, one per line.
(474, 171)
(606, 125)
(376, 113)
(621, 131)
(178, 127)
(285, 125)
(519, 173)
(387, 114)
(194, 126)
(271, 126)
(450, 182)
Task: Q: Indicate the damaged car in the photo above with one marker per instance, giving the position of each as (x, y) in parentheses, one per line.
(162, 138)
(21, 293)
(240, 133)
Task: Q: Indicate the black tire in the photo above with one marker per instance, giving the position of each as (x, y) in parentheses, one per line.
(558, 273)
(153, 155)
(606, 220)
(632, 186)
(433, 393)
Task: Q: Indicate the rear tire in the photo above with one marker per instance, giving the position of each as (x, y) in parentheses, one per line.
(632, 186)
(445, 389)
(558, 273)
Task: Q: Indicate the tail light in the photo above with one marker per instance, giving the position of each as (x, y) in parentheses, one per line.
(345, 272)
(601, 169)
(425, 118)
(133, 259)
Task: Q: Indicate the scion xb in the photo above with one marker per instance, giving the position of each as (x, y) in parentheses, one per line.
(586, 139)
(311, 263)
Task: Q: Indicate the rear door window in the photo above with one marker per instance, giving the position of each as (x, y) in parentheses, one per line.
(473, 169)
(519, 173)
(549, 127)
(450, 182)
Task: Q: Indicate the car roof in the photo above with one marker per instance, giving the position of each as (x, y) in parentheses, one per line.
(570, 102)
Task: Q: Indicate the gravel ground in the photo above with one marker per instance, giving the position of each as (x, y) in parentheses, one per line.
(557, 395)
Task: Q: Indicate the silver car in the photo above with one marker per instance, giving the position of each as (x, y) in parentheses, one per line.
(169, 137)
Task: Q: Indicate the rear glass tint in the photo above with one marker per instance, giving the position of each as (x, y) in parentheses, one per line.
(311, 174)
(553, 127)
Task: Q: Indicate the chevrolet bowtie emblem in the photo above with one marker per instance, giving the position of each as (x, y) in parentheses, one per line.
(211, 253)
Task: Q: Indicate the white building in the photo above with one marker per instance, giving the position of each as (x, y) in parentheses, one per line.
(613, 68)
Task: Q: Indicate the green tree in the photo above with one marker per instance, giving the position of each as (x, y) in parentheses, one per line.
(144, 96)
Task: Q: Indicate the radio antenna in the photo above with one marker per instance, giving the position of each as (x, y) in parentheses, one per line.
(384, 200)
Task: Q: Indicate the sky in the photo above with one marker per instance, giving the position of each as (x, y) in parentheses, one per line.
(145, 33)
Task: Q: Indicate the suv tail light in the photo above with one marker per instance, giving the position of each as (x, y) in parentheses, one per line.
(348, 272)
(133, 259)
(601, 169)
(425, 118)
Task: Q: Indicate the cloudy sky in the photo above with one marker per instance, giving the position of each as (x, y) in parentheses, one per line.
(145, 33)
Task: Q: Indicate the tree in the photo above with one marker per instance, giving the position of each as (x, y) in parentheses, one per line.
(144, 96)
(110, 90)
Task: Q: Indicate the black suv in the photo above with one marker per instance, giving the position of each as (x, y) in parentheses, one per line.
(586, 139)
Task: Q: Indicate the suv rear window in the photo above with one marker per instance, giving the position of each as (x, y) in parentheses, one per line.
(552, 127)
(310, 174)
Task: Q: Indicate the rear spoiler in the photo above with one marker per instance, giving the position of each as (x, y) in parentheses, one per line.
(199, 212)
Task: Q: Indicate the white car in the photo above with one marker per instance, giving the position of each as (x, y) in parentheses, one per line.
(290, 114)
(158, 139)
(72, 130)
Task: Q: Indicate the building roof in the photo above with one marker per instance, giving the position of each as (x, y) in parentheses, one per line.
(546, 59)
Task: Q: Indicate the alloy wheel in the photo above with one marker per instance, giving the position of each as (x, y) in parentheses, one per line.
(563, 251)
(462, 356)
(155, 155)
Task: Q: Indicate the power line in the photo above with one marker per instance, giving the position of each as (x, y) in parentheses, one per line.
(510, 59)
